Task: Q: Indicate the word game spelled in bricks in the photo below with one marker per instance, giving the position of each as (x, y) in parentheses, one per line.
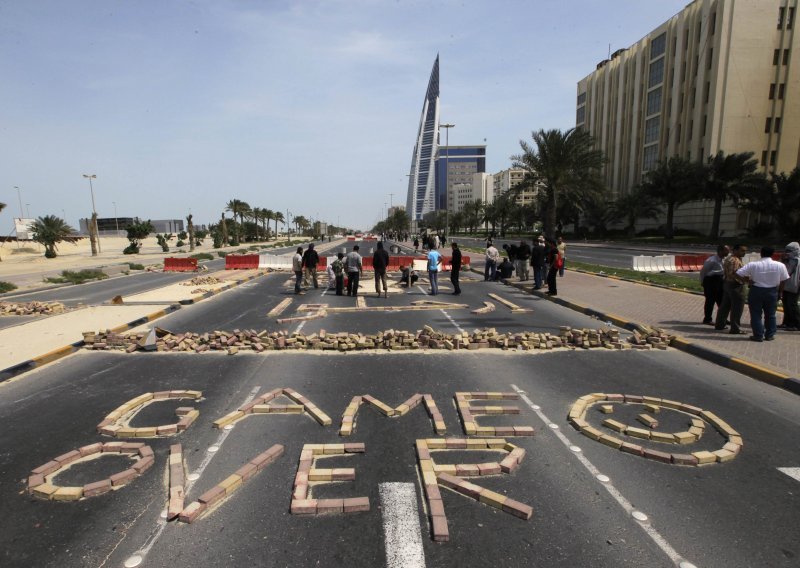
(308, 476)
(177, 482)
(468, 413)
(452, 477)
(349, 416)
(215, 496)
(41, 480)
(117, 422)
(260, 405)
(697, 418)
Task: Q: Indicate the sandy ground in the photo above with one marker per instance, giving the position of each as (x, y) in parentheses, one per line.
(178, 291)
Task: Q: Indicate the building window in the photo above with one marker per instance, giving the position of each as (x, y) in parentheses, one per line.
(650, 157)
(764, 158)
(580, 118)
(772, 91)
(654, 101)
(656, 73)
(651, 130)
(581, 99)
(708, 91)
(658, 46)
(772, 158)
(778, 124)
(781, 13)
(713, 23)
(776, 56)
(786, 57)
(790, 19)
(705, 120)
(781, 90)
(768, 125)
(710, 58)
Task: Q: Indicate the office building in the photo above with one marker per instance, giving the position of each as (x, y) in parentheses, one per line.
(455, 166)
(421, 182)
(717, 76)
(511, 178)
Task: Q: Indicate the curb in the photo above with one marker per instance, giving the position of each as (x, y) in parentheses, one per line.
(752, 370)
(56, 354)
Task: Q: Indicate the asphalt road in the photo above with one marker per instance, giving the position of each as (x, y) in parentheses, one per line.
(741, 513)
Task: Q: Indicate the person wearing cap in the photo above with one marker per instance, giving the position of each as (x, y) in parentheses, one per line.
(767, 278)
(539, 262)
(791, 312)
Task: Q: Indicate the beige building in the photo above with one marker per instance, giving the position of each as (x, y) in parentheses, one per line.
(717, 76)
(510, 178)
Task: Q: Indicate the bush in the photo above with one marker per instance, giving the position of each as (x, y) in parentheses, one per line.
(79, 277)
(6, 287)
(135, 266)
(222, 253)
(241, 251)
(202, 256)
(131, 249)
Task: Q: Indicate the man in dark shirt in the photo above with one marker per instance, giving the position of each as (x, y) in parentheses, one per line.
(380, 261)
(455, 268)
(539, 261)
(523, 261)
(310, 262)
(506, 269)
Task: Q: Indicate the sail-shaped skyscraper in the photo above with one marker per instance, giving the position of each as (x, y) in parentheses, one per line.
(421, 181)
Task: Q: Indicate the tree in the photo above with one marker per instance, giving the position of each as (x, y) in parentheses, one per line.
(672, 183)
(278, 216)
(563, 164)
(223, 231)
(301, 223)
(163, 240)
(632, 206)
(2, 206)
(780, 200)
(240, 208)
(50, 230)
(730, 176)
(473, 214)
(267, 215)
(137, 232)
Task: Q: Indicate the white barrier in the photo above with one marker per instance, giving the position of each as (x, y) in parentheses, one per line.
(276, 262)
(662, 263)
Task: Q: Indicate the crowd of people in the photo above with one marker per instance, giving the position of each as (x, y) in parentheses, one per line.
(729, 284)
(547, 258)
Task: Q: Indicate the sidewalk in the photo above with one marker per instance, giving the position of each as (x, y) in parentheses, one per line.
(678, 313)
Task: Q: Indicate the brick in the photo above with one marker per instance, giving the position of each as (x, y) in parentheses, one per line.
(351, 448)
(724, 455)
(606, 408)
(633, 398)
(67, 494)
(467, 470)
(592, 432)
(638, 433)
(47, 468)
(144, 464)
(35, 480)
(330, 506)
(97, 488)
(126, 432)
(45, 490)
(684, 438)
(704, 457)
(652, 408)
(123, 477)
(523, 431)
(91, 449)
(333, 449)
(614, 425)
(432, 492)
(131, 447)
(492, 499)
(436, 508)
(633, 449)
(439, 526)
(647, 420)
(227, 419)
(212, 495)
(656, 455)
(67, 458)
(731, 447)
(146, 451)
(112, 447)
(192, 512)
(664, 437)
(490, 468)
(355, 504)
(684, 459)
(610, 441)
(230, 484)
(518, 509)
(183, 410)
(303, 507)
(455, 443)
(167, 429)
(247, 471)
(343, 474)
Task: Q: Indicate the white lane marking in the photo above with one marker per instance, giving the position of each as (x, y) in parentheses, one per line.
(793, 472)
(401, 531)
(423, 290)
(299, 326)
(449, 317)
(640, 518)
(161, 524)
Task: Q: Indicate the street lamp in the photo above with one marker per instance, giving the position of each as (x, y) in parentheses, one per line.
(28, 208)
(116, 219)
(447, 128)
(90, 177)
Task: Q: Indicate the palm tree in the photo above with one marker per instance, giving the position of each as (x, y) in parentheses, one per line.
(278, 216)
(2, 206)
(300, 223)
(632, 206)
(267, 215)
(780, 200)
(240, 208)
(672, 183)
(51, 230)
(564, 164)
(729, 177)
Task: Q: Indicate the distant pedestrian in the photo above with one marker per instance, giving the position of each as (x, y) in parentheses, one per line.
(554, 262)
(523, 261)
(380, 262)
(354, 271)
(297, 267)
(562, 253)
(492, 258)
(791, 313)
(767, 278)
(734, 289)
(416, 245)
(434, 260)
(338, 272)
(711, 278)
(455, 268)
(436, 242)
(539, 262)
(310, 262)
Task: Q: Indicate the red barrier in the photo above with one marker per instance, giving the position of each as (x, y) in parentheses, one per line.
(323, 262)
(180, 264)
(241, 261)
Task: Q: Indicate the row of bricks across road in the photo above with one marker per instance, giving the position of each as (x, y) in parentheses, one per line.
(40, 481)
(177, 482)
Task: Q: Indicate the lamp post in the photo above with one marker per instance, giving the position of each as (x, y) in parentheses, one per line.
(116, 219)
(447, 128)
(28, 208)
(90, 177)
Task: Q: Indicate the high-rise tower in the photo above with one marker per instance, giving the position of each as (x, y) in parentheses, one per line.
(421, 181)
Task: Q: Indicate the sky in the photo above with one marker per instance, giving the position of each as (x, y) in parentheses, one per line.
(306, 107)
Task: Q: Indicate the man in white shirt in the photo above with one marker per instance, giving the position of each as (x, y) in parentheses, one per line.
(492, 256)
(766, 278)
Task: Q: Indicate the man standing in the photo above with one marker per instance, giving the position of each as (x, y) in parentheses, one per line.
(734, 291)
(791, 313)
(434, 260)
(711, 279)
(523, 261)
(310, 262)
(297, 267)
(455, 268)
(766, 278)
(380, 261)
(554, 262)
(338, 272)
(562, 253)
(538, 259)
(354, 271)
(492, 256)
